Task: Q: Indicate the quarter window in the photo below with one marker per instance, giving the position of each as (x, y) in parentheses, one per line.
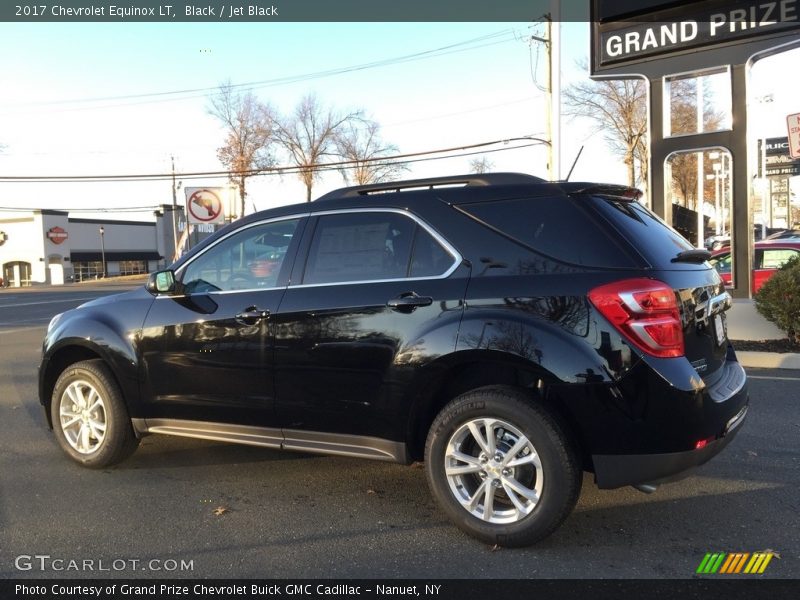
(556, 227)
(249, 259)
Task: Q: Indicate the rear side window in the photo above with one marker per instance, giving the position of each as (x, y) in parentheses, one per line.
(370, 246)
(556, 227)
(653, 239)
(774, 258)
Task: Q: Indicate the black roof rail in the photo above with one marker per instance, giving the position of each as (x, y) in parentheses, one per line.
(473, 179)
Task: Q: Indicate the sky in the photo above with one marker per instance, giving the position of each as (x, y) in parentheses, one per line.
(117, 99)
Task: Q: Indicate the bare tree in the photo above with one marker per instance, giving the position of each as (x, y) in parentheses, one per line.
(249, 135)
(683, 120)
(683, 167)
(618, 108)
(480, 165)
(359, 142)
(309, 136)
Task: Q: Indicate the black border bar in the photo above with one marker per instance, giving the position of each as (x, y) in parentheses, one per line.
(228, 11)
(706, 588)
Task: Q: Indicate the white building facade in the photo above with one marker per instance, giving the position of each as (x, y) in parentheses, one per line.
(51, 247)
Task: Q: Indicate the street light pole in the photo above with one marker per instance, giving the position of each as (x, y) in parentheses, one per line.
(103, 248)
(174, 214)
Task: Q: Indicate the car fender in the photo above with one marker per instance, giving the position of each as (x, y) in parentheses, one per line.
(87, 334)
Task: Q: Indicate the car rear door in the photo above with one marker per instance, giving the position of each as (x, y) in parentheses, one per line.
(379, 295)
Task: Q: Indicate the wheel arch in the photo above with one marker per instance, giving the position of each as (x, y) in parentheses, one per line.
(472, 370)
(69, 351)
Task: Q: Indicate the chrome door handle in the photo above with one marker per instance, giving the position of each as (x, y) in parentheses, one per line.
(250, 315)
(409, 301)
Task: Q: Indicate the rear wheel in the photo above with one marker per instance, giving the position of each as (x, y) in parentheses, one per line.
(502, 467)
(90, 420)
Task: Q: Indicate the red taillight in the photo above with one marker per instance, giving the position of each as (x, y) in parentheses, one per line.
(645, 311)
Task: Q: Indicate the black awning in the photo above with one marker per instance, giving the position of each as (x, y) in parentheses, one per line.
(115, 256)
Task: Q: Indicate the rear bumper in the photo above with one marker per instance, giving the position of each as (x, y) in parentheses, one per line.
(613, 471)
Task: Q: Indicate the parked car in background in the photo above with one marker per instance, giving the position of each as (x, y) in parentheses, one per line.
(718, 242)
(786, 234)
(449, 320)
(768, 257)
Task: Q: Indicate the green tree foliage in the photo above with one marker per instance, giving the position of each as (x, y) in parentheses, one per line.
(778, 300)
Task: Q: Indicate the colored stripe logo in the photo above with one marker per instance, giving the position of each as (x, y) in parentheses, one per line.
(734, 563)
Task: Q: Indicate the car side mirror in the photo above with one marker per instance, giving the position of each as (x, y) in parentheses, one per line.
(161, 282)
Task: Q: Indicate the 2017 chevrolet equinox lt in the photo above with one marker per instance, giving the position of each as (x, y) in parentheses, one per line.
(508, 331)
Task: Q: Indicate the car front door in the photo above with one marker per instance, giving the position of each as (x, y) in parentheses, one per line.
(381, 294)
(207, 350)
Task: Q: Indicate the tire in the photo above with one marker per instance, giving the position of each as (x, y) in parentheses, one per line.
(531, 484)
(90, 420)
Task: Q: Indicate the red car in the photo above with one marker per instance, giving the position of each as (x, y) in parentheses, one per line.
(768, 257)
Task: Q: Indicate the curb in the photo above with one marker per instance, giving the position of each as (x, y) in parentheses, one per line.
(768, 360)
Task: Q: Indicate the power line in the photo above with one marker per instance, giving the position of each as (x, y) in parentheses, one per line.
(280, 170)
(186, 94)
(138, 151)
(317, 169)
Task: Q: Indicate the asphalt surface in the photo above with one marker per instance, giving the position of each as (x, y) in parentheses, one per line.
(286, 515)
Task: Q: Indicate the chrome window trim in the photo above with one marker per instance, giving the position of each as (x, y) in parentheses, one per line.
(449, 248)
(455, 254)
(179, 272)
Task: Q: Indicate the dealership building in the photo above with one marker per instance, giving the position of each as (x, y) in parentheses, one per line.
(51, 246)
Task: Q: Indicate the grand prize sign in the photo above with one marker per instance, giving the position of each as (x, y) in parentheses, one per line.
(628, 32)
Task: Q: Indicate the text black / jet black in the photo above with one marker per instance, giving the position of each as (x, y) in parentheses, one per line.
(508, 331)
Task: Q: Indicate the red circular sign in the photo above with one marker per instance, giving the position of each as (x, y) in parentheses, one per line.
(205, 206)
(57, 235)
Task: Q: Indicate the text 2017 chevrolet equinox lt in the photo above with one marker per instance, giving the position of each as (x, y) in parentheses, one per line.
(508, 331)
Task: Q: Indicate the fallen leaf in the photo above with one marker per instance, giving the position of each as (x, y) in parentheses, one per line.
(220, 510)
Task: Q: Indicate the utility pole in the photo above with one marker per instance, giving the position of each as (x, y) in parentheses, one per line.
(174, 212)
(552, 44)
(554, 92)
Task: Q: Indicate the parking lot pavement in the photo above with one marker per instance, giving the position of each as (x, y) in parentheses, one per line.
(296, 515)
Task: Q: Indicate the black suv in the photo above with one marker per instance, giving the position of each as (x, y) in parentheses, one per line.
(508, 331)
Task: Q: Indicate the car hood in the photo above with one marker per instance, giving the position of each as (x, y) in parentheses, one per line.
(135, 294)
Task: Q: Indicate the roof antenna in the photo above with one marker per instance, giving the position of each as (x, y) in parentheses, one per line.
(574, 162)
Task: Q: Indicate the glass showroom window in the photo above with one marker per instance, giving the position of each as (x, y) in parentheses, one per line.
(776, 185)
(698, 102)
(132, 267)
(705, 174)
(87, 270)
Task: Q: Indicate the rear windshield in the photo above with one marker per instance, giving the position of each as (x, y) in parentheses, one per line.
(653, 238)
(557, 227)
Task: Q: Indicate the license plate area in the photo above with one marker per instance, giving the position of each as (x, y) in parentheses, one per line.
(720, 328)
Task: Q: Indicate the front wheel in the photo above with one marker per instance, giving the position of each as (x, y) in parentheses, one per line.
(90, 420)
(502, 467)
